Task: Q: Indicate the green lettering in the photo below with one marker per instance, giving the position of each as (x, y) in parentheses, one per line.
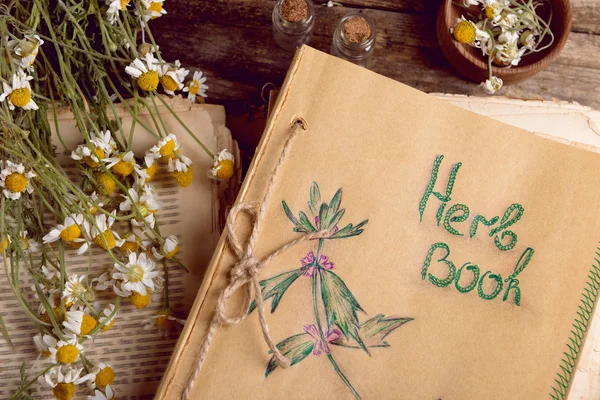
(451, 268)
(513, 282)
(459, 218)
(480, 219)
(508, 220)
(471, 286)
(497, 289)
(429, 190)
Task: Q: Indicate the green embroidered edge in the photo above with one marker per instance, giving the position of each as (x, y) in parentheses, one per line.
(575, 343)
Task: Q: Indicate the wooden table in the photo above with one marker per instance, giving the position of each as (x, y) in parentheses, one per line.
(231, 42)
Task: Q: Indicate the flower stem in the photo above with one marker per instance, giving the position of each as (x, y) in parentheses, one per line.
(321, 334)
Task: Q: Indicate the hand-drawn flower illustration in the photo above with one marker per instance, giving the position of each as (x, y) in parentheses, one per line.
(335, 308)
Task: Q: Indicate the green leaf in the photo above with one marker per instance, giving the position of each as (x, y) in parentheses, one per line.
(340, 306)
(296, 348)
(334, 206)
(305, 223)
(349, 231)
(323, 217)
(315, 199)
(374, 331)
(336, 218)
(276, 287)
(289, 214)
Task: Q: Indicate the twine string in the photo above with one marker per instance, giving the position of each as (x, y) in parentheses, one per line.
(244, 274)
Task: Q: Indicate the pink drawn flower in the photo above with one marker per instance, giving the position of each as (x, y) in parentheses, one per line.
(309, 261)
(320, 346)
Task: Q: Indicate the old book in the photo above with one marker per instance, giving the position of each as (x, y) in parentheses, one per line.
(139, 357)
(445, 254)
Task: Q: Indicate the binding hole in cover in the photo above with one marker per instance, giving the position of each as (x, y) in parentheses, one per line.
(300, 121)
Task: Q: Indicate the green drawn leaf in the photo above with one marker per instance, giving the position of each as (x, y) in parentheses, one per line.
(336, 218)
(334, 206)
(296, 348)
(323, 217)
(276, 287)
(349, 231)
(340, 306)
(305, 222)
(315, 199)
(374, 331)
(289, 214)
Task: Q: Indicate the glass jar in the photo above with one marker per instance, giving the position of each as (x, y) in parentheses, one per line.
(290, 35)
(357, 53)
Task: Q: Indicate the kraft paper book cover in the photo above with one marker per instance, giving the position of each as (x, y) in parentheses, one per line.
(437, 254)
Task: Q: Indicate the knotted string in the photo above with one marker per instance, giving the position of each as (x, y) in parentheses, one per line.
(244, 274)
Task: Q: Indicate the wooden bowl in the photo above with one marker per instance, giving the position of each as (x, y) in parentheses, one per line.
(469, 61)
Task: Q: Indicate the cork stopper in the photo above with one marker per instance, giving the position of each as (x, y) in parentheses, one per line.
(294, 10)
(357, 29)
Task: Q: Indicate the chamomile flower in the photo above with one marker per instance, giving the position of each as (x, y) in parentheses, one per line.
(464, 31)
(114, 6)
(181, 170)
(107, 318)
(153, 9)
(102, 376)
(62, 380)
(6, 242)
(145, 72)
(106, 183)
(68, 231)
(146, 202)
(166, 149)
(491, 86)
(28, 244)
(43, 344)
(131, 243)
(25, 50)
(164, 321)
(15, 180)
(168, 250)
(509, 54)
(75, 290)
(19, 94)
(102, 233)
(527, 39)
(150, 166)
(80, 323)
(121, 164)
(108, 394)
(196, 87)
(171, 77)
(137, 275)
(103, 281)
(104, 140)
(66, 351)
(493, 9)
(87, 155)
(223, 166)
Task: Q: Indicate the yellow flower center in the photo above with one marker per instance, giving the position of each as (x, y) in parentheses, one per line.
(172, 253)
(464, 32)
(194, 87)
(59, 314)
(162, 319)
(5, 243)
(489, 12)
(20, 97)
(155, 6)
(45, 353)
(167, 150)
(123, 168)
(75, 245)
(183, 179)
(151, 171)
(78, 289)
(106, 376)
(139, 300)
(148, 81)
(63, 391)
(135, 273)
(169, 83)
(67, 354)
(110, 241)
(131, 247)
(106, 182)
(88, 324)
(124, 3)
(70, 233)
(91, 162)
(16, 182)
(224, 169)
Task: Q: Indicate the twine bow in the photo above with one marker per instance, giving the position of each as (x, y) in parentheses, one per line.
(244, 274)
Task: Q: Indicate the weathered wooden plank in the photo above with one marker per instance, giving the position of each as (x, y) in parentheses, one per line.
(231, 42)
